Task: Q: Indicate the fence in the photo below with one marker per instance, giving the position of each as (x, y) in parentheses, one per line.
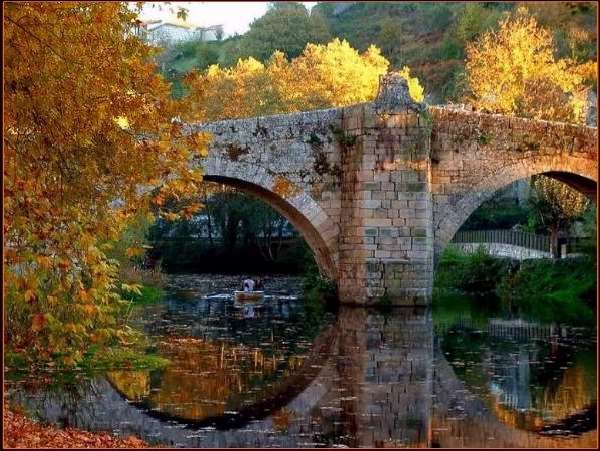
(513, 237)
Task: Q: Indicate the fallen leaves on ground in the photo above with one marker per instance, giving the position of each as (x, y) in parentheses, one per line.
(21, 432)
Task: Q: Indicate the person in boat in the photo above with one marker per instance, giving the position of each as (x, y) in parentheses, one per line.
(259, 284)
(248, 284)
(249, 311)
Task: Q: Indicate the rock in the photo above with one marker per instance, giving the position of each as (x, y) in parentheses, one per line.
(393, 96)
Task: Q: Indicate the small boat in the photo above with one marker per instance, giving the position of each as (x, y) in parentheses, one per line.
(248, 296)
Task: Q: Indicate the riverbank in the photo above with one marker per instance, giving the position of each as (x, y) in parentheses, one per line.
(540, 289)
(22, 432)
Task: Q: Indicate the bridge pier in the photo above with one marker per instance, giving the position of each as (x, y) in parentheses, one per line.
(386, 236)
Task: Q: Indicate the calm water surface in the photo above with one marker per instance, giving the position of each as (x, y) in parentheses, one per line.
(283, 373)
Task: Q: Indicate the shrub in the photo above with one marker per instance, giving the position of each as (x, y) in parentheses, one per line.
(547, 290)
(320, 295)
(472, 273)
(482, 272)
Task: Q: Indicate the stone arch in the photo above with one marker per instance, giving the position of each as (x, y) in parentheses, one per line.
(449, 217)
(298, 207)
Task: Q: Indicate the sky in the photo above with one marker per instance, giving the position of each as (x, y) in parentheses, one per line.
(234, 16)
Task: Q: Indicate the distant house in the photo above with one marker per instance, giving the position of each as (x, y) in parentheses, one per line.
(212, 33)
(160, 32)
(166, 32)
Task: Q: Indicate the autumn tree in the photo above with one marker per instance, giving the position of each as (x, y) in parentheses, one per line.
(334, 75)
(323, 76)
(514, 71)
(88, 143)
(555, 206)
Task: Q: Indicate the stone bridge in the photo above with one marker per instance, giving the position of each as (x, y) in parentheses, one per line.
(378, 189)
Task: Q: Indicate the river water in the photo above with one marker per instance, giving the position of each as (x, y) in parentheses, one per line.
(285, 373)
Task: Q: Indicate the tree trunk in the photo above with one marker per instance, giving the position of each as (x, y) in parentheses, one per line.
(555, 251)
(207, 209)
(231, 232)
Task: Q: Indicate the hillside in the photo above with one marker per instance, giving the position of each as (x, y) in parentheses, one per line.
(430, 38)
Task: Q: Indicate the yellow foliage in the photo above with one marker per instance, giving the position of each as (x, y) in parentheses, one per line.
(414, 87)
(132, 287)
(134, 251)
(122, 122)
(84, 115)
(323, 76)
(559, 203)
(513, 71)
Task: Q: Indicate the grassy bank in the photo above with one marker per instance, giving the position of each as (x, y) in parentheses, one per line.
(148, 294)
(135, 352)
(543, 290)
(549, 290)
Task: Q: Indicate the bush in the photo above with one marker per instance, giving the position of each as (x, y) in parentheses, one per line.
(320, 295)
(449, 50)
(472, 273)
(549, 290)
(482, 272)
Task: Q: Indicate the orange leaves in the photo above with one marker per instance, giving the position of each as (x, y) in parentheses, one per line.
(175, 131)
(44, 261)
(169, 216)
(90, 309)
(134, 251)
(199, 143)
(284, 187)
(10, 255)
(37, 323)
(192, 209)
(84, 296)
(77, 107)
(30, 296)
(159, 200)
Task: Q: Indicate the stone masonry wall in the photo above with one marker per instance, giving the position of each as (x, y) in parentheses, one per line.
(291, 161)
(475, 154)
(386, 236)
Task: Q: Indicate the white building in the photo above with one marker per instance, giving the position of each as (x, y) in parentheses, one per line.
(212, 33)
(160, 32)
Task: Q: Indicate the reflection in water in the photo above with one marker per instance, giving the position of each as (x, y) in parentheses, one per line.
(363, 379)
(535, 384)
(205, 378)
